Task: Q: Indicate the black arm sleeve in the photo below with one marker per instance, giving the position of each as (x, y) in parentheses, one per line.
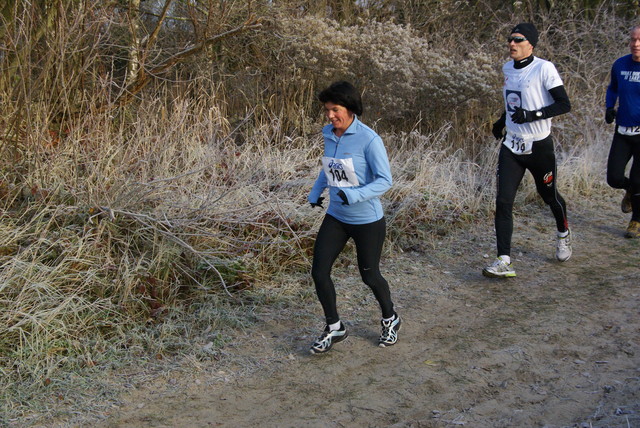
(561, 104)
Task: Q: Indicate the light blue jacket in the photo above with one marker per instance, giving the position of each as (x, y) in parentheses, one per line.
(371, 164)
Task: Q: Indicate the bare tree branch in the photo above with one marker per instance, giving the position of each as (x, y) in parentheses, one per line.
(145, 77)
(154, 34)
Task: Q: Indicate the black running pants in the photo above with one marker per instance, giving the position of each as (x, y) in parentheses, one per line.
(623, 148)
(541, 162)
(331, 240)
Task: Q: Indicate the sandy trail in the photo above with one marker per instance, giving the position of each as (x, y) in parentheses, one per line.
(557, 346)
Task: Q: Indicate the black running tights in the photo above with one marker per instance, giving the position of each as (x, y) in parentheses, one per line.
(511, 168)
(331, 240)
(623, 148)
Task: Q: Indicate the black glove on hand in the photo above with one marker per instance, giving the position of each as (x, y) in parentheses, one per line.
(345, 201)
(522, 116)
(497, 129)
(610, 115)
(318, 203)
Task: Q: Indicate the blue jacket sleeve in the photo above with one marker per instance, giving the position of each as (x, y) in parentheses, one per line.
(380, 174)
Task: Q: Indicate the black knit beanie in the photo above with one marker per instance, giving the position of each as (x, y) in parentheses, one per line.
(528, 30)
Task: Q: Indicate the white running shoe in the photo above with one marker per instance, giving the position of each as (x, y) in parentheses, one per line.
(563, 248)
(328, 338)
(499, 269)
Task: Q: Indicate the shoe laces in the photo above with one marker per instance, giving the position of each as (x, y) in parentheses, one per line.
(563, 243)
(328, 333)
(389, 335)
(499, 263)
(387, 327)
(323, 341)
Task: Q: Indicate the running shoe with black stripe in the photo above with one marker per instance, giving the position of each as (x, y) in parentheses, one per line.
(328, 338)
(390, 330)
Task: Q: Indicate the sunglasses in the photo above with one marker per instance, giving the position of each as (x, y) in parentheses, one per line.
(517, 39)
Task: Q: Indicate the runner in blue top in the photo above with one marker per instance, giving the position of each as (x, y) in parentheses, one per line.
(625, 88)
(356, 170)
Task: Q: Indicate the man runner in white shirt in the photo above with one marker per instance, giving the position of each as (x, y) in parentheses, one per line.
(533, 93)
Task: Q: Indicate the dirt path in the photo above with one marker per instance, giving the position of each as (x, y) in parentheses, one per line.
(557, 346)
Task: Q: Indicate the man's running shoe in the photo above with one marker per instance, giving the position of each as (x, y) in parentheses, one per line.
(633, 231)
(625, 205)
(563, 248)
(499, 269)
(328, 338)
(390, 330)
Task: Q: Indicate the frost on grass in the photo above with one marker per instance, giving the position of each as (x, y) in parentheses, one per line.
(399, 71)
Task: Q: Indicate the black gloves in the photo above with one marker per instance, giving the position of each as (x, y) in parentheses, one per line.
(610, 115)
(498, 127)
(522, 116)
(318, 203)
(345, 201)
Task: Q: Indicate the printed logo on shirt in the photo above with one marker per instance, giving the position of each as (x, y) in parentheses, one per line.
(514, 99)
(631, 76)
(548, 178)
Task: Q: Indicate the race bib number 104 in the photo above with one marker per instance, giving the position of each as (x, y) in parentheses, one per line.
(340, 172)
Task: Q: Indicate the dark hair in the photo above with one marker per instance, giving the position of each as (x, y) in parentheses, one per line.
(344, 94)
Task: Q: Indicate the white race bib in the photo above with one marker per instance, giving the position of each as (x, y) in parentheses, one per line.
(518, 144)
(629, 130)
(340, 172)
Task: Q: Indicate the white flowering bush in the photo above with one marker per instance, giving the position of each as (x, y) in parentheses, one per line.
(400, 73)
